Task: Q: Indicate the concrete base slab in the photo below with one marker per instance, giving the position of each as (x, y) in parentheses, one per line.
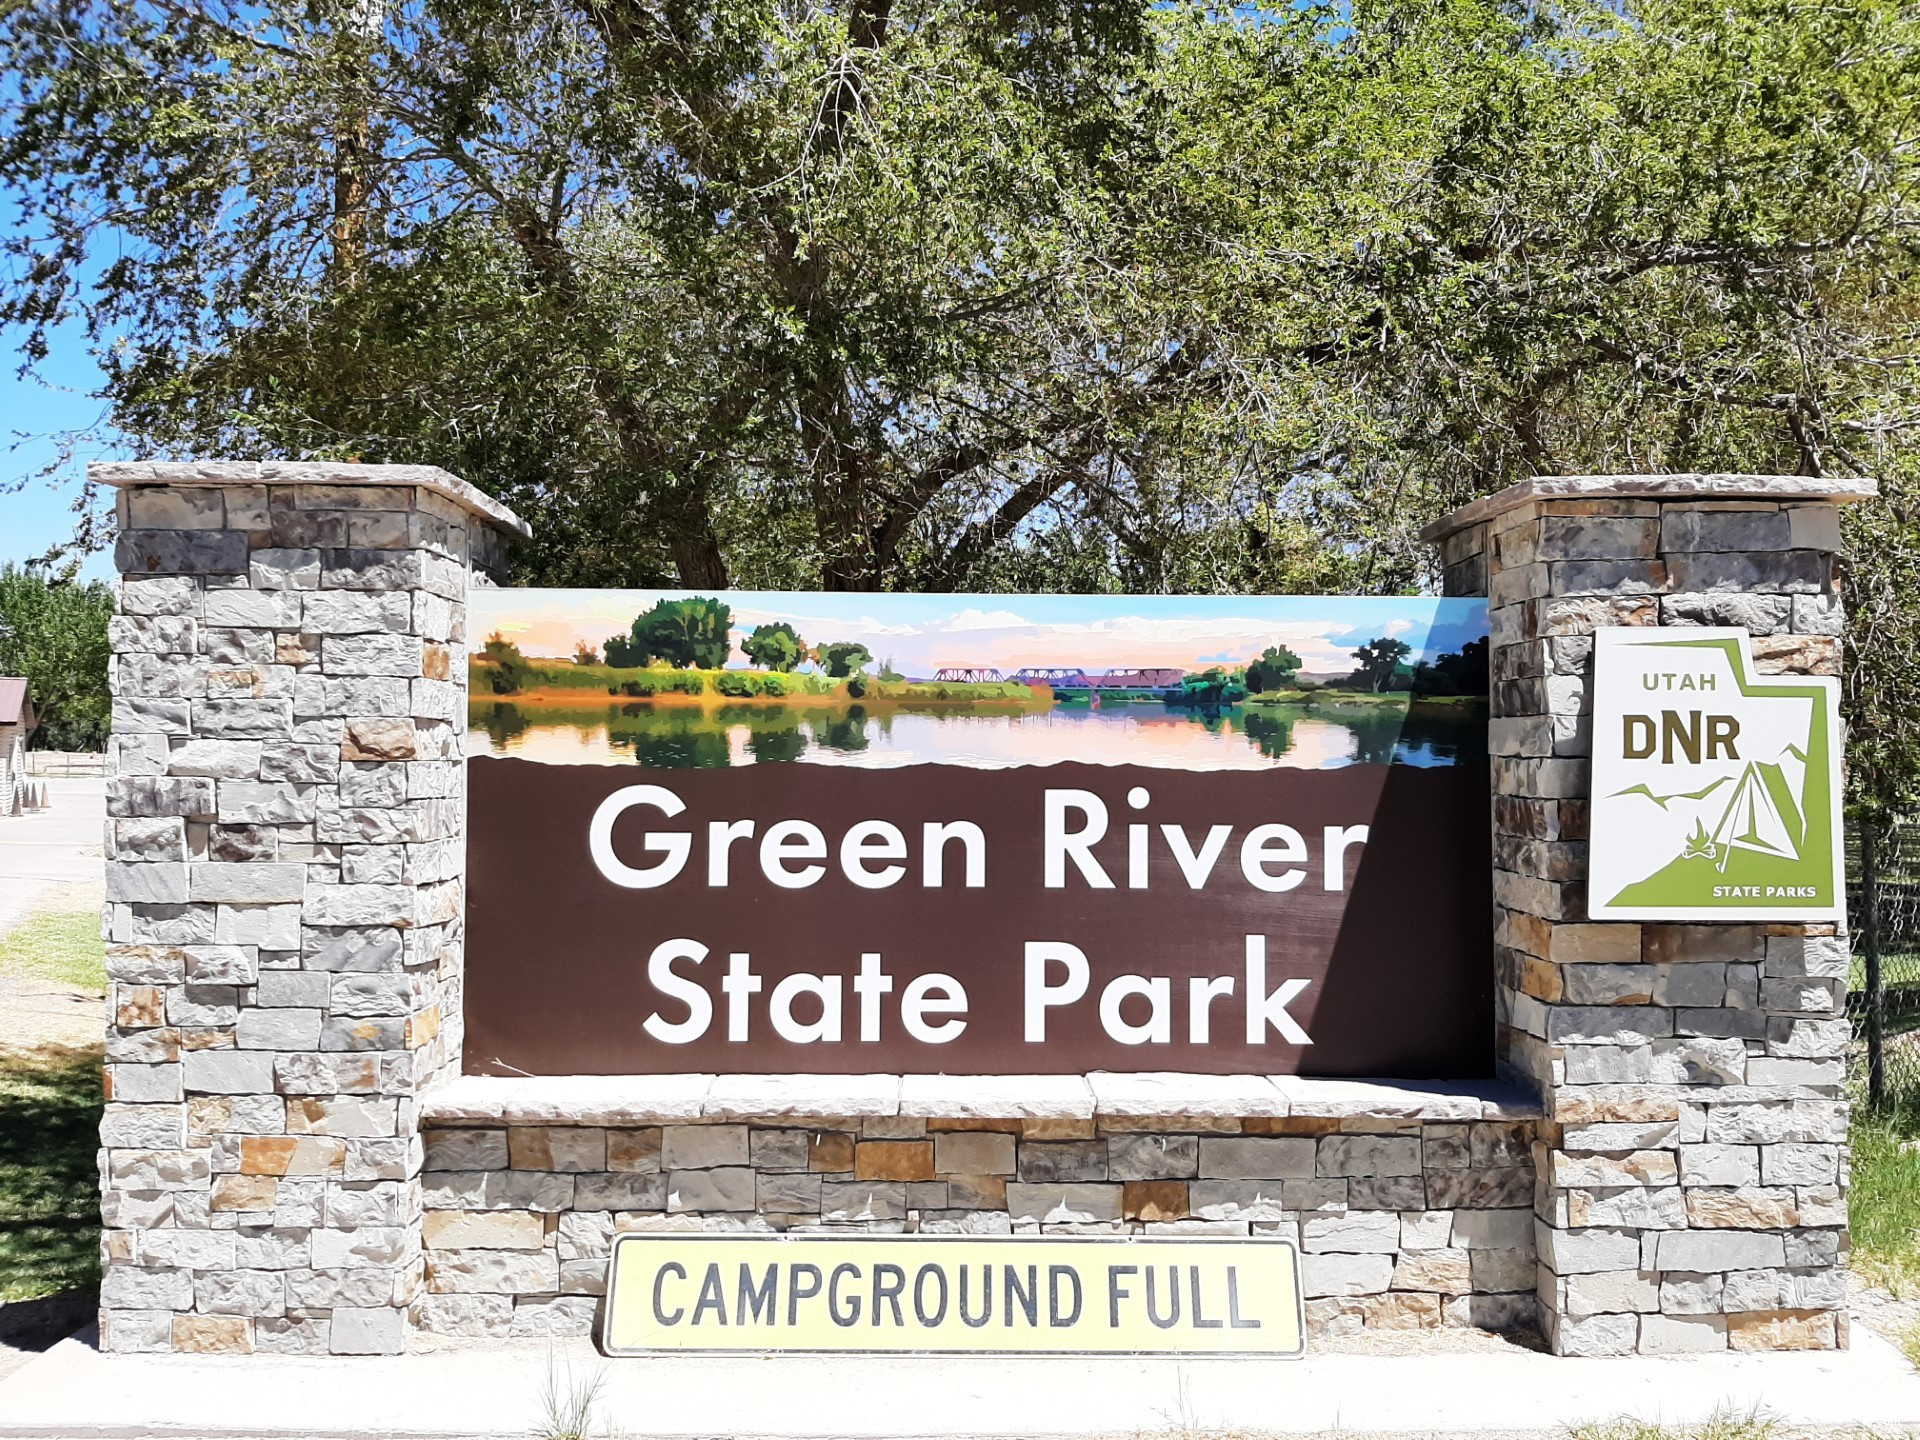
(497, 1389)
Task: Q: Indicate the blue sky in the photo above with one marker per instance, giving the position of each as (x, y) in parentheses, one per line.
(923, 633)
(33, 411)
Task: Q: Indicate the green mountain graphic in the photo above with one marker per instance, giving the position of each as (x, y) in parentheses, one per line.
(1661, 800)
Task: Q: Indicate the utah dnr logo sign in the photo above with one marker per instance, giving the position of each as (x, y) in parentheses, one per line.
(1716, 793)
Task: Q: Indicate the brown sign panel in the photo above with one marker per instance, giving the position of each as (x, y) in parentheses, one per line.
(849, 834)
(806, 918)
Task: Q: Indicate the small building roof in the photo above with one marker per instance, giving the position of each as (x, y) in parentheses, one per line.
(16, 707)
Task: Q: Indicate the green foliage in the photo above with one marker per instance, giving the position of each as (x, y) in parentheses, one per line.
(1273, 670)
(1379, 664)
(1880, 693)
(507, 670)
(777, 646)
(1212, 689)
(620, 653)
(694, 633)
(662, 682)
(1458, 672)
(53, 630)
(1095, 297)
(923, 691)
(1063, 297)
(738, 683)
(844, 658)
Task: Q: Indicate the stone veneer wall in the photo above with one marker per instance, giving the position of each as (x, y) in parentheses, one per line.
(1693, 1161)
(285, 858)
(285, 869)
(1403, 1224)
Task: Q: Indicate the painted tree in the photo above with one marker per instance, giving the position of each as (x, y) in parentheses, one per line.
(1273, 670)
(775, 646)
(1379, 662)
(844, 658)
(507, 669)
(692, 633)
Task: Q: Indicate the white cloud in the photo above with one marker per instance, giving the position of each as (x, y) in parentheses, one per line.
(814, 628)
(971, 619)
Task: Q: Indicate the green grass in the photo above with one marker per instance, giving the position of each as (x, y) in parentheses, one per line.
(49, 1203)
(57, 946)
(1884, 1204)
(50, 1100)
(1327, 698)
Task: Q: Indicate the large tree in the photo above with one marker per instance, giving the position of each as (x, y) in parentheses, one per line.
(53, 630)
(1078, 294)
(747, 290)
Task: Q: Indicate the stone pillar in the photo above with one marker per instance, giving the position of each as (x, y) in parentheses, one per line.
(1691, 1170)
(284, 894)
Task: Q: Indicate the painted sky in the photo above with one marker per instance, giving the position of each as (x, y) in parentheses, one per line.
(923, 633)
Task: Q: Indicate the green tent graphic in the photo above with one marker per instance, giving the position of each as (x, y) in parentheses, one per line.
(1763, 816)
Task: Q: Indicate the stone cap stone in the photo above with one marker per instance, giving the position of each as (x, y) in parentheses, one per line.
(1651, 487)
(693, 1099)
(203, 473)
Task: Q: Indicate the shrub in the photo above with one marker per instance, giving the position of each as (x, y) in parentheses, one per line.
(844, 658)
(508, 669)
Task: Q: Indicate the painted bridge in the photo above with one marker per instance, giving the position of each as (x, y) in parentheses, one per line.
(1067, 677)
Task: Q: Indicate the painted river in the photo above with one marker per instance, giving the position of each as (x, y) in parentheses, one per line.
(1321, 736)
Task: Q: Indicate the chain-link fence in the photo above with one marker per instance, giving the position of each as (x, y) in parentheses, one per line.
(1883, 988)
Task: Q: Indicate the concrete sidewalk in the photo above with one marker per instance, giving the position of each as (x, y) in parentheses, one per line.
(480, 1389)
(59, 846)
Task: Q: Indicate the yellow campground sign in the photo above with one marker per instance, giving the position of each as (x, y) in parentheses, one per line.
(1197, 1295)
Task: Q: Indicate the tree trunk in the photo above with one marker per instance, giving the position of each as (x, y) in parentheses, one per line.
(700, 563)
(353, 148)
(694, 545)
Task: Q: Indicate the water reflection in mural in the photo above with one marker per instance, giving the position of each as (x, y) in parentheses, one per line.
(1245, 736)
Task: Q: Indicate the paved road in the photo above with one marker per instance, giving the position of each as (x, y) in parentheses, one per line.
(56, 847)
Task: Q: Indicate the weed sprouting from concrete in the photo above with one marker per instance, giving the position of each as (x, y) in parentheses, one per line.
(567, 1403)
(1754, 1424)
